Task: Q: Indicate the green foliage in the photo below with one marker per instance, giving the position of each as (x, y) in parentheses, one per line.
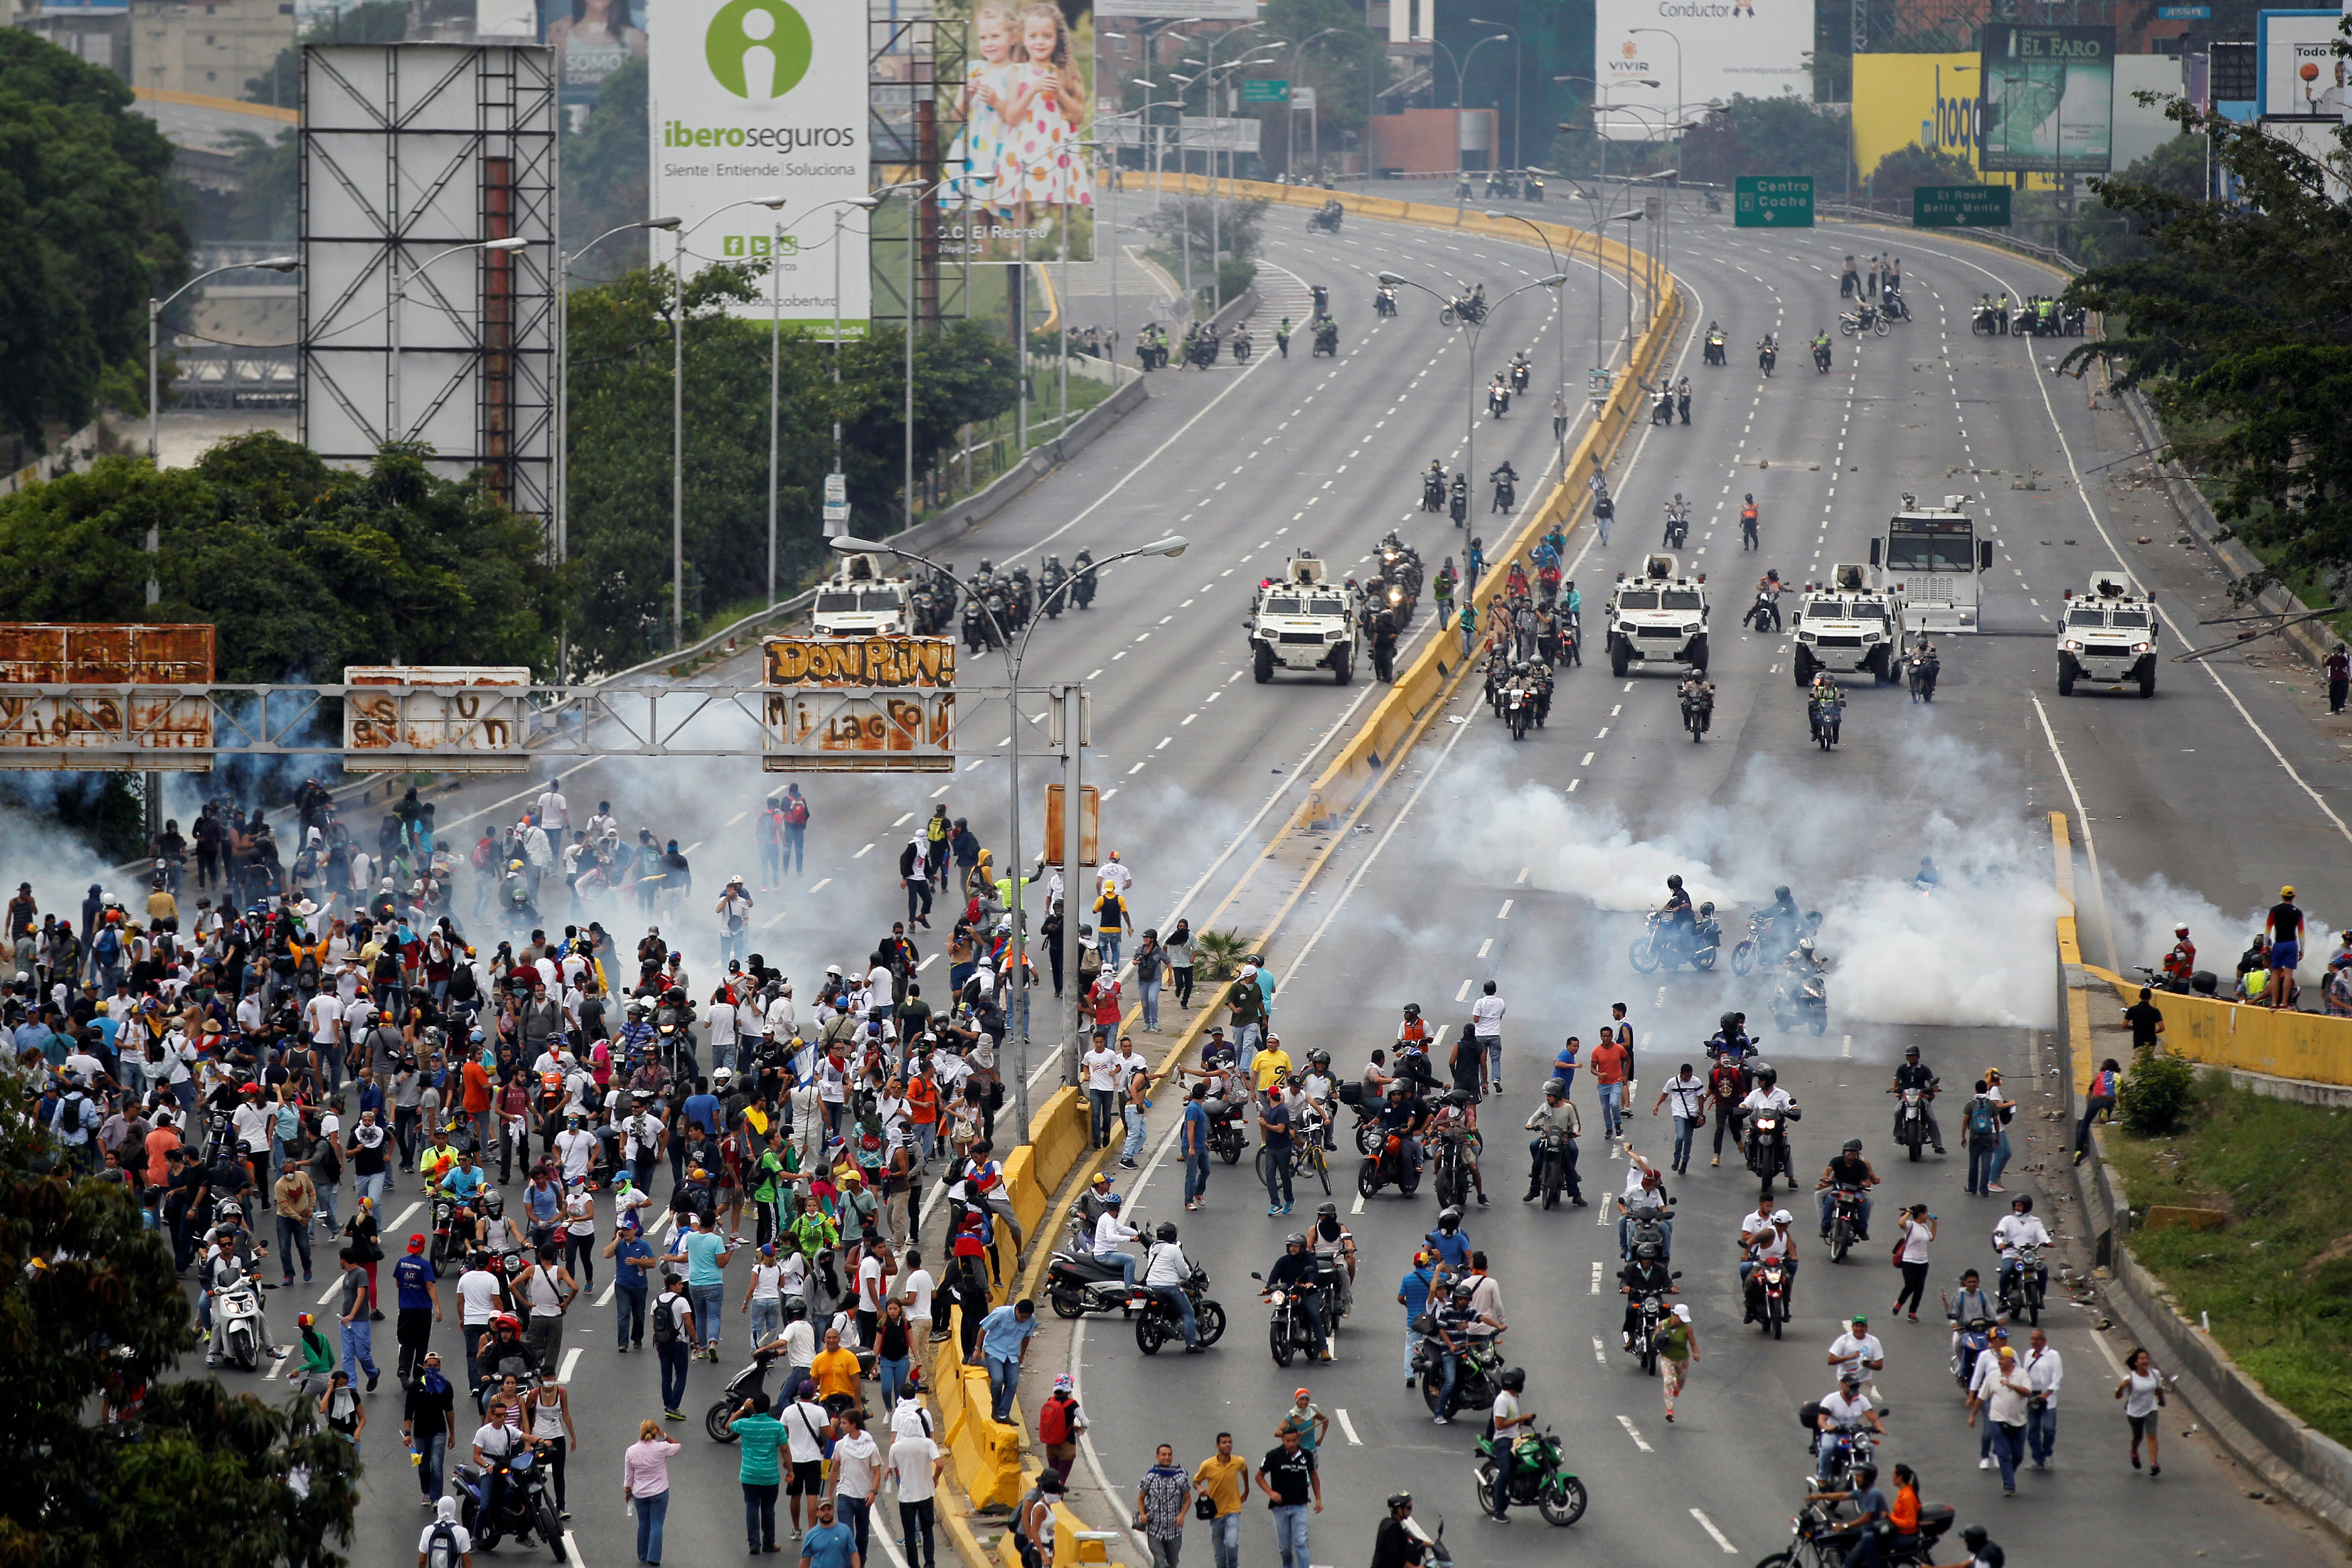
(88, 231)
(2156, 1096)
(301, 567)
(369, 22)
(90, 1312)
(1339, 66)
(1912, 165)
(604, 165)
(2239, 326)
(1218, 954)
(1768, 136)
(2177, 167)
(1235, 227)
(621, 422)
(2276, 1280)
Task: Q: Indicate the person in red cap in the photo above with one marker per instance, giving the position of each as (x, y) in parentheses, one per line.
(415, 1281)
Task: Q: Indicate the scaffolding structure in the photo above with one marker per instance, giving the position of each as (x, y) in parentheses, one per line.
(915, 68)
(413, 156)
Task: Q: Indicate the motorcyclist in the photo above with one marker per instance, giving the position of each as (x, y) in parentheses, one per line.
(2180, 963)
(1645, 1189)
(1764, 1232)
(1768, 1095)
(1165, 1271)
(1747, 539)
(1458, 497)
(1087, 1212)
(1432, 486)
(1506, 480)
(1294, 1271)
(1498, 396)
(1713, 343)
(1645, 1274)
(1394, 1545)
(1695, 687)
(1335, 1251)
(1682, 398)
(1730, 1042)
(1915, 1074)
(1449, 1240)
(1783, 914)
(1557, 1111)
(1511, 1425)
(1824, 702)
(1820, 346)
(1677, 906)
(2021, 1226)
(1460, 1327)
(1404, 1117)
(1930, 665)
(1454, 1119)
(1847, 1169)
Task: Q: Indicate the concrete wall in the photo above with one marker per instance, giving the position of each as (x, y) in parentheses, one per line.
(1422, 139)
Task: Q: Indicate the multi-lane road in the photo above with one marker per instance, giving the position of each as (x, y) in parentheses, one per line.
(1523, 863)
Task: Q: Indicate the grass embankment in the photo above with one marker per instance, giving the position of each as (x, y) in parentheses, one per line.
(2276, 1280)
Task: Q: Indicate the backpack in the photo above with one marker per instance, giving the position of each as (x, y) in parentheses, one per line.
(1984, 1122)
(441, 1546)
(1054, 1421)
(77, 1116)
(665, 1322)
(108, 947)
(796, 811)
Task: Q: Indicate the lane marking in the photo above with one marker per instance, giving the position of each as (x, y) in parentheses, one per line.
(820, 885)
(1709, 1525)
(1463, 994)
(1486, 946)
(861, 854)
(1347, 1426)
(1596, 1281)
(571, 1360)
(1631, 1431)
(1505, 913)
(1599, 1351)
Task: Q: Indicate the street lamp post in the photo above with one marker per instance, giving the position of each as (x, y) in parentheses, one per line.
(156, 309)
(394, 428)
(562, 486)
(1470, 353)
(1289, 116)
(1015, 1012)
(1460, 81)
(916, 193)
(1560, 339)
(1519, 89)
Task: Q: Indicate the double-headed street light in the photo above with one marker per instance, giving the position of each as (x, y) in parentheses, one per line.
(156, 309)
(394, 427)
(1015, 1012)
(1470, 351)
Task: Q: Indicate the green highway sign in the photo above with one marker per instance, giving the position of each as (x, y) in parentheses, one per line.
(1271, 91)
(1960, 207)
(1772, 202)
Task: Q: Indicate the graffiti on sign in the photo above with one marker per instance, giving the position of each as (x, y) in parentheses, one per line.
(118, 722)
(860, 731)
(922, 663)
(457, 720)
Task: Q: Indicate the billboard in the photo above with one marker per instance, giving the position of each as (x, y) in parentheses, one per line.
(859, 705)
(468, 719)
(1020, 174)
(2049, 96)
(2298, 71)
(592, 40)
(755, 98)
(111, 726)
(1199, 10)
(1755, 47)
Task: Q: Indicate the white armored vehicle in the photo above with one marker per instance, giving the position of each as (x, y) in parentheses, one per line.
(1301, 621)
(1658, 617)
(1848, 625)
(859, 601)
(2109, 635)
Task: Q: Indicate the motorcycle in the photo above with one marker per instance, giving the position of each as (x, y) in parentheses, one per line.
(1075, 1285)
(1531, 189)
(1821, 1536)
(1463, 307)
(1201, 352)
(1911, 1122)
(2025, 1286)
(1662, 405)
(1767, 1148)
(1327, 340)
(1848, 1451)
(1649, 1312)
(1714, 355)
(1854, 323)
(1698, 713)
(1768, 1296)
(1678, 530)
(978, 634)
(1241, 345)
(525, 1510)
(1507, 495)
(1919, 673)
(1671, 944)
(1288, 1333)
(1821, 358)
(1826, 717)
(1450, 1170)
(1528, 1472)
(1972, 1338)
(1768, 354)
(1226, 1139)
(1802, 1003)
(1985, 318)
(1759, 614)
(1458, 500)
(1324, 219)
(1384, 302)
(1554, 1178)
(1845, 1221)
(1499, 401)
(1714, 202)
(1521, 372)
(1743, 952)
(1647, 1222)
(1518, 707)
(752, 1379)
(1474, 1383)
(238, 1308)
(1388, 1169)
(1432, 493)
(1156, 1322)
(1892, 307)
(1052, 581)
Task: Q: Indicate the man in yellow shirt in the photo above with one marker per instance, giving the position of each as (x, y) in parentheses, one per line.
(1222, 1478)
(835, 1370)
(1269, 1063)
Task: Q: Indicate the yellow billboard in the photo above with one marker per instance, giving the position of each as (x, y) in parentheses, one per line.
(1932, 100)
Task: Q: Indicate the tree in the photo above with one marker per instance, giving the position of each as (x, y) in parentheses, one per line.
(605, 166)
(88, 231)
(2239, 327)
(300, 567)
(1912, 165)
(1338, 66)
(104, 1458)
(369, 22)
(1768, 136)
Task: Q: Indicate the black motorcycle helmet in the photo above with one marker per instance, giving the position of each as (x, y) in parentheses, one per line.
(1767, 1075)
(2022, 1204)
(1167, 1232)
(1328, 1211)
(1854, 1146)
(1401, 1501)
(1449, 1219)
(1514, 1379)
(1675, 883)
(1647, 1252)
(1728, 1022)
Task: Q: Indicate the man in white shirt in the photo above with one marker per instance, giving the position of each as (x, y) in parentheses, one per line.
(1847, 1410)
(324, 1014)
(1486, 1028)
(481, 1296)
(1165, 1269)
(916, 1467)
(783, 1020)
(554, 810)
(2021, 1226)
(1111, 1236)
(719, 1023)
(1101, 1068)
(857, 1466)
(806, 1426)
(575, 1147)
(2044, 1373)
(1768, 1095)
(915, 1287)
(603, 825)
(1857, 1355)
(1116, 876)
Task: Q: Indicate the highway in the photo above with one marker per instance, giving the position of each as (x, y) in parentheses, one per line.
(1525, 863)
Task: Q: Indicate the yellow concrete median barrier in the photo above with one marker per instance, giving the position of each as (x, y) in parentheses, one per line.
(2310, 1047)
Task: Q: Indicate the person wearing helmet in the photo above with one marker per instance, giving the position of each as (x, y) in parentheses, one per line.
(1848, 1168)
(1511, 1427)
(1983, 1550)
(1334, 1246)
(1913, 1073)
(2180, 963)
(1765, 1233)
(1748, 522)
(1783, 914)
(1460, 1327)
(1557, 1113)
(1394, 1545)
(1677, 906)
(1295, 1271)
(2021, 1226)
(1450, 1241)
(1768, 1095)
(1645, 1274)
(1455, 1121)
